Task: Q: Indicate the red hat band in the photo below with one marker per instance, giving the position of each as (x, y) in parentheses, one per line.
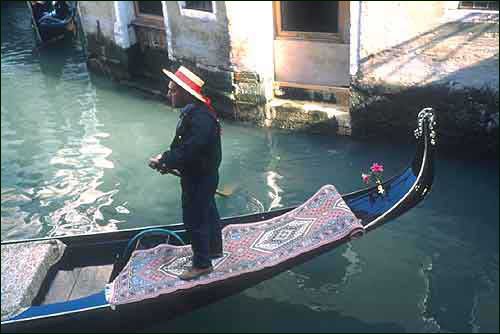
(188, 82)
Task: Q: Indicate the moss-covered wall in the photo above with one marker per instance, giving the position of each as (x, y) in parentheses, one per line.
(467, 117)
(104, 55)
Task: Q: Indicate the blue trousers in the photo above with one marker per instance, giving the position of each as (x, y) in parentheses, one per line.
(201, 217)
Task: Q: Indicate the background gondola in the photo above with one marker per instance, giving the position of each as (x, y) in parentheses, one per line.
(53, 23)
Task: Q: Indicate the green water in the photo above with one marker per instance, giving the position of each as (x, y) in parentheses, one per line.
(74, 150)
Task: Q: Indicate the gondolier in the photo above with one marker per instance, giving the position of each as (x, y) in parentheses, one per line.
(40, 8)
(196, 153)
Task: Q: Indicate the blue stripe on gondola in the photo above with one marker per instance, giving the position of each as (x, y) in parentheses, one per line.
(372, 204)
(91, 301)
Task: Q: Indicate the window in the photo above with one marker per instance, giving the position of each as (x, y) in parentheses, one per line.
(310, 16)
(151, 9)
(312, 20)
(205, 6)
(481, 5)
(202, 10)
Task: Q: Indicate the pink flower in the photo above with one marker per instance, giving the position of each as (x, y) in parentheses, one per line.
(375, 173)
(365, 177)
(376, 168)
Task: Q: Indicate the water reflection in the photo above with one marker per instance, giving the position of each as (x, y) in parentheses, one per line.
(53, 160)
(272, 181)
(448, 280)
(318, 291)
(71, 158)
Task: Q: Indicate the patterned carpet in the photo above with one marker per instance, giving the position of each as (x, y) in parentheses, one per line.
(323, 219)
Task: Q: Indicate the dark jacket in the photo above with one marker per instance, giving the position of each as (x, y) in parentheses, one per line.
(196, 148)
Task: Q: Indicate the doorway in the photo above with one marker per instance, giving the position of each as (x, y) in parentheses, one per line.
(311, 46)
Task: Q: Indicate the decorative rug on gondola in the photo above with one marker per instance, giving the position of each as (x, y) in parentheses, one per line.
(323, 219)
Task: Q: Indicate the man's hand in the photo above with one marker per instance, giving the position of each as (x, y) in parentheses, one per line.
(154, 162)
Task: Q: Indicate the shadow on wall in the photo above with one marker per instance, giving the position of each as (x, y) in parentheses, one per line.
(431, 70)
(430, 56)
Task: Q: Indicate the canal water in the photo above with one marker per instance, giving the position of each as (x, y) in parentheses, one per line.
(74, 149)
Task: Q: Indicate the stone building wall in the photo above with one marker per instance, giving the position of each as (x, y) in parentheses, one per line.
(109, 39)
(404, 55)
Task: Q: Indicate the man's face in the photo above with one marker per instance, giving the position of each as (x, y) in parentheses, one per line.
(176, 94)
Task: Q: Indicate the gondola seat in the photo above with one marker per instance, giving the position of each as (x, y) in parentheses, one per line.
(24, 268)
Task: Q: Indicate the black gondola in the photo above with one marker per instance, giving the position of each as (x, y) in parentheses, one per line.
(53, 21)
(80, 304)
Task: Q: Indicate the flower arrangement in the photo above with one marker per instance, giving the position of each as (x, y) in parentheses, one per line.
(375, 173)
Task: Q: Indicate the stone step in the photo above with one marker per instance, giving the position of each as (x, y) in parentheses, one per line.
(297, 114)
(336, 95)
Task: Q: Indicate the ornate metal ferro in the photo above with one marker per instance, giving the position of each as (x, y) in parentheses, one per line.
(427, 113)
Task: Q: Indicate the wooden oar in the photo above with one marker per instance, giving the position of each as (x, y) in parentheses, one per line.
(225, 193)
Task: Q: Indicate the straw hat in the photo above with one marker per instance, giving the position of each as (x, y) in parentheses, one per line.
(189, 81)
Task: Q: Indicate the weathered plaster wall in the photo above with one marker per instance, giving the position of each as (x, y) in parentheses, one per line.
(124, 34)
(202, 39)
(237, 36)
(231, 48)
(98, 17)
(109, 37)
(251, 33)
